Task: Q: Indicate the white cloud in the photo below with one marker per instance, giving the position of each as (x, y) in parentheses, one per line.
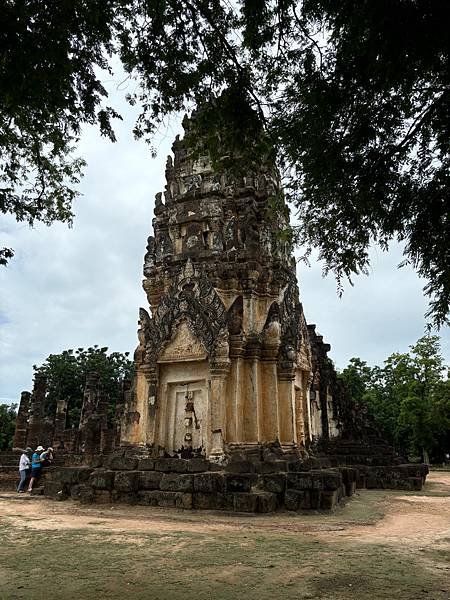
(77, 287)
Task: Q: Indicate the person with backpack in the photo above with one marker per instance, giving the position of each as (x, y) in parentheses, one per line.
(24, 468)
(36, 467)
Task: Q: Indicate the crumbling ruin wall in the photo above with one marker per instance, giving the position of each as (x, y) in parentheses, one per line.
(21, 431)
(93, 435)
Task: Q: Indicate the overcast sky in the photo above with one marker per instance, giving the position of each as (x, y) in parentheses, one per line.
(70, 288)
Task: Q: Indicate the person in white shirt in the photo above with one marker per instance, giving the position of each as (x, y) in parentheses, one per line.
(24, 468)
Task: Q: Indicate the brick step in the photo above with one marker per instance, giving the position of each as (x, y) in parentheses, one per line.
(9, 457)
(14, 468)
(384, 460)
(360, 450)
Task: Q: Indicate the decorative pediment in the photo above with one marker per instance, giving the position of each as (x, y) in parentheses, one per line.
(190, 299)
(304, 358)
(183, 346)
(290, 317)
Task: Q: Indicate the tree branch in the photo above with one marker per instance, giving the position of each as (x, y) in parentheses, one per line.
(416, 125)
(196, 7)
(306, 33)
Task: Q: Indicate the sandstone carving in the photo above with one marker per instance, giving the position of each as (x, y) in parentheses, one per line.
(225, 317)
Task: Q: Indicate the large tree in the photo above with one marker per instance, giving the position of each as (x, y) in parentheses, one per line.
(7, 425)
(353, 96)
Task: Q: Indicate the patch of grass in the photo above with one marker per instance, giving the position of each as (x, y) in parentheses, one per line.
(177, 565)
(366, 508)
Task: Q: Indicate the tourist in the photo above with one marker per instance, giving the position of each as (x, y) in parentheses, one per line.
(24, 468)
(47, 457)
(36, 467)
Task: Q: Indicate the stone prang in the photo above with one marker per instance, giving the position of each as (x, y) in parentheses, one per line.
(224, 357)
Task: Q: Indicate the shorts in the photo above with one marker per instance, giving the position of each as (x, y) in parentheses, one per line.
(36, 473)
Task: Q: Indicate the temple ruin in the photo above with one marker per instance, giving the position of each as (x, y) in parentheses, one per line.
(235, 403)
(226, 359)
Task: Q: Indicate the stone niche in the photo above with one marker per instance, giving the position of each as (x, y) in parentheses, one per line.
(183, 415)
(225, 357)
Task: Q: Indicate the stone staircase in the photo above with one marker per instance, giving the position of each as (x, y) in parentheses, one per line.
(364, 451)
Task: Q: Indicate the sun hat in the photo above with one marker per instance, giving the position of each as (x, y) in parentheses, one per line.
(39, 449)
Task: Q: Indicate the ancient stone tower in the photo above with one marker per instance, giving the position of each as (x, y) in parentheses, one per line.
(225, 359)
(226, 369)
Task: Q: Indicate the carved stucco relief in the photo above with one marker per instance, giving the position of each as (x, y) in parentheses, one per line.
(183, 346)
(190, 299)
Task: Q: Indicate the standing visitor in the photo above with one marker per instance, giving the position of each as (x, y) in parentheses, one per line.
(36, 467)
(47, 457)
(24, 468)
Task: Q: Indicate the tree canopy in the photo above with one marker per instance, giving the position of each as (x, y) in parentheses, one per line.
(409, 397)
(7, 425)
(352, 96)
(66, 377)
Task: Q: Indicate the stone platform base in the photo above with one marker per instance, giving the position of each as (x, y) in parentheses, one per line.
(241, 486)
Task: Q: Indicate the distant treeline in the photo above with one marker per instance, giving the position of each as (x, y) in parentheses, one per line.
(409, 398)
(66, 377)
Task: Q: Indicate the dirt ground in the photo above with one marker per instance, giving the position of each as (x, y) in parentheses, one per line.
(380, 545)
